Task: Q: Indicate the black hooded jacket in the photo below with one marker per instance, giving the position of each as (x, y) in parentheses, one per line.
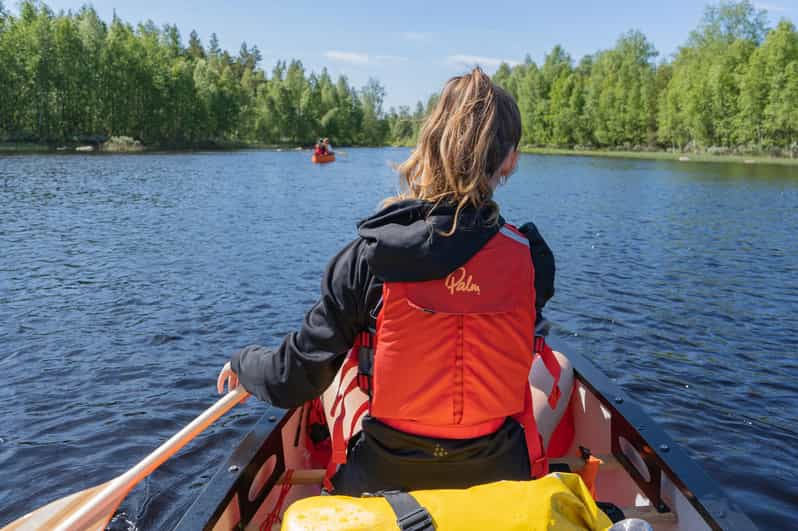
(402, 242)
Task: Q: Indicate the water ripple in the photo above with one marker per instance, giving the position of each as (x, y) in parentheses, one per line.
(127, 281)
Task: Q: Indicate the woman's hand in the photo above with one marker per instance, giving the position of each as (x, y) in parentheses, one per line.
(227, 375)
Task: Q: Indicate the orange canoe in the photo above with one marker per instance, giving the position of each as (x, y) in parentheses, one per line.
(321, 159)
(645, 474)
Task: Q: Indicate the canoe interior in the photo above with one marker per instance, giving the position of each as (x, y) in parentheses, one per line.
(646, 473)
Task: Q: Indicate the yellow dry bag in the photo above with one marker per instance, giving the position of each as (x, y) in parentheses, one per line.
(557, 501)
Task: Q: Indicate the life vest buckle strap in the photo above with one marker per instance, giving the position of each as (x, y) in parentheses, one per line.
(418, 520)
(332, 468)
(552, 365)
(410, 514)
(365, 368)
(540, 341)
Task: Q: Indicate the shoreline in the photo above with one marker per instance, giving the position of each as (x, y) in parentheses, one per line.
(33, 148)
(662, 155)
(24, 148)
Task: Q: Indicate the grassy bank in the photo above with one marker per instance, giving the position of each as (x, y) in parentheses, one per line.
(664, 155)
(14, 147)
(136, 147)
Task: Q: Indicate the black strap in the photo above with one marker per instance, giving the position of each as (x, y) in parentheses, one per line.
(365, 364)
(410, 515)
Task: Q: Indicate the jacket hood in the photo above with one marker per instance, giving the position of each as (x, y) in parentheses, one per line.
(404, 242)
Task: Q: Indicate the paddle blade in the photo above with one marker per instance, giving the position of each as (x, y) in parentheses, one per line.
(53, 514)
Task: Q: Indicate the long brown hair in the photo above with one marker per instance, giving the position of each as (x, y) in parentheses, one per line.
(462, 145)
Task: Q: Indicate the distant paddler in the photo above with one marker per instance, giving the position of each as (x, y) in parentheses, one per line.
(322, 152)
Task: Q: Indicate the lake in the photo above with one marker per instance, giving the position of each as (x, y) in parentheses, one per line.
(127, 281)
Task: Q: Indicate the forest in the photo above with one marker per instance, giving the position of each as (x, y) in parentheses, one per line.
(71, 77)
(733, 86)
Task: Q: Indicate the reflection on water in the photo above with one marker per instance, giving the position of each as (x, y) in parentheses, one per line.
(126, 282)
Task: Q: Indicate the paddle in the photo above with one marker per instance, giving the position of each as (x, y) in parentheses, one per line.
(91, 509)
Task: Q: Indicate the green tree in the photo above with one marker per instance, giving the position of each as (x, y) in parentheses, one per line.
(714, 96)
(374, 128)
(505, 79)
(69, 76)
(621, 97)
(780, 56)
(730, 21)
(582, 128)
(195, 49)
(532, 104)
(402, 127)
(213, 46)
(562, 115)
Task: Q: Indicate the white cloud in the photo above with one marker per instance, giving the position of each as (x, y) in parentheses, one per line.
(471, 60)
(347, 57)
(357, 58)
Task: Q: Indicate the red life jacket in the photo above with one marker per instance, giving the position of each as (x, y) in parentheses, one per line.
(451, 357)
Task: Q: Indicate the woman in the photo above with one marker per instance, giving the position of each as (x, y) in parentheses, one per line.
(441, 295)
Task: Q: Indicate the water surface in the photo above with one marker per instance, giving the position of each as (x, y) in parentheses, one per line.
(127, 281)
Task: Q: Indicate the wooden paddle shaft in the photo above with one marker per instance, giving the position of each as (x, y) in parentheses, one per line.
(107, 500)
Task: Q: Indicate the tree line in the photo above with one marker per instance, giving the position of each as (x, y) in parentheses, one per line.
(733, 86)
(70, 76)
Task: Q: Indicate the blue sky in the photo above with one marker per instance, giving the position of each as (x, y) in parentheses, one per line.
(413, 46)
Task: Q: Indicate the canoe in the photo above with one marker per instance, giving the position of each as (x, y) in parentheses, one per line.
(645, 473)
(323, 159)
